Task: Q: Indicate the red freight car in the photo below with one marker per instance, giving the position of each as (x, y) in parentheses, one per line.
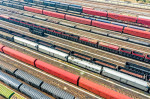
(94, 12)
(57, 72)
(135, 32)
(113, 47)
(54, 14)
(107, 26)
(35, 10)
(1, 47)
(78, 19)
(100, 90)
(144, 21)
(122, 17)
(20, 56)
(3, 16)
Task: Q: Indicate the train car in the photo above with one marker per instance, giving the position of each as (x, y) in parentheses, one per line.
(74, 37)
(122, 17)
(144, 21)
(125, 52)
(78, 19)
(107, 26)
(135, 32)
(25, 42)
(94, 12)
(21, 7)
(85, 64)
(136, 27)
(34, 94)
(84, 40)
(54, 14)
(103, 46)
(9, 80)
(139, 42)
(7, 36)
(93, 43)
(138, 69)
(18, 55)
(113, 48)
(8, 69)
(53, 52)
(118, 37)
(75, 8)
(57, 72)
(127, 79)
(64, 6)
(8, 93)
(100, 90)
(28, 78)
(55, 92)
(138, 55)
(35, 10)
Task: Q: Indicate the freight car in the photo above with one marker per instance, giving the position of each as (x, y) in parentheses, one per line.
(21, 87)
(99, 90)
(82, 61)
(9, 94)
(36, 82)
(90, 42)
(132, 30)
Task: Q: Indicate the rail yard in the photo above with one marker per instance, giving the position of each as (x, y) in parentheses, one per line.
(73, 49)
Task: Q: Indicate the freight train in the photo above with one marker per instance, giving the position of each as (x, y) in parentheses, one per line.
(123, 29)
(82, 61)
(67, 76)
(40, 30)
(90, 11)
(36, 82)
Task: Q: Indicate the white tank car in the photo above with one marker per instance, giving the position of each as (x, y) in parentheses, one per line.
(25, 42)
(127, 79)
(85, 64)
(53, 52)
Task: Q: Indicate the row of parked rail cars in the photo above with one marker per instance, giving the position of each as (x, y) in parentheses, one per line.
(40, 30)
(77, 8)
(67, 76)
(125, 75)
(129, 30)
(35, 82)
(91, 30)
(8, 93)
(34, 94)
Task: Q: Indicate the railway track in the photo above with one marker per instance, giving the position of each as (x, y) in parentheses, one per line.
(105, 6)
(132, 92)
(30, 86)
(80, 26)
(40, 6)
(29, 53)
(93, 52)
(146, 50)
(78, 92)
